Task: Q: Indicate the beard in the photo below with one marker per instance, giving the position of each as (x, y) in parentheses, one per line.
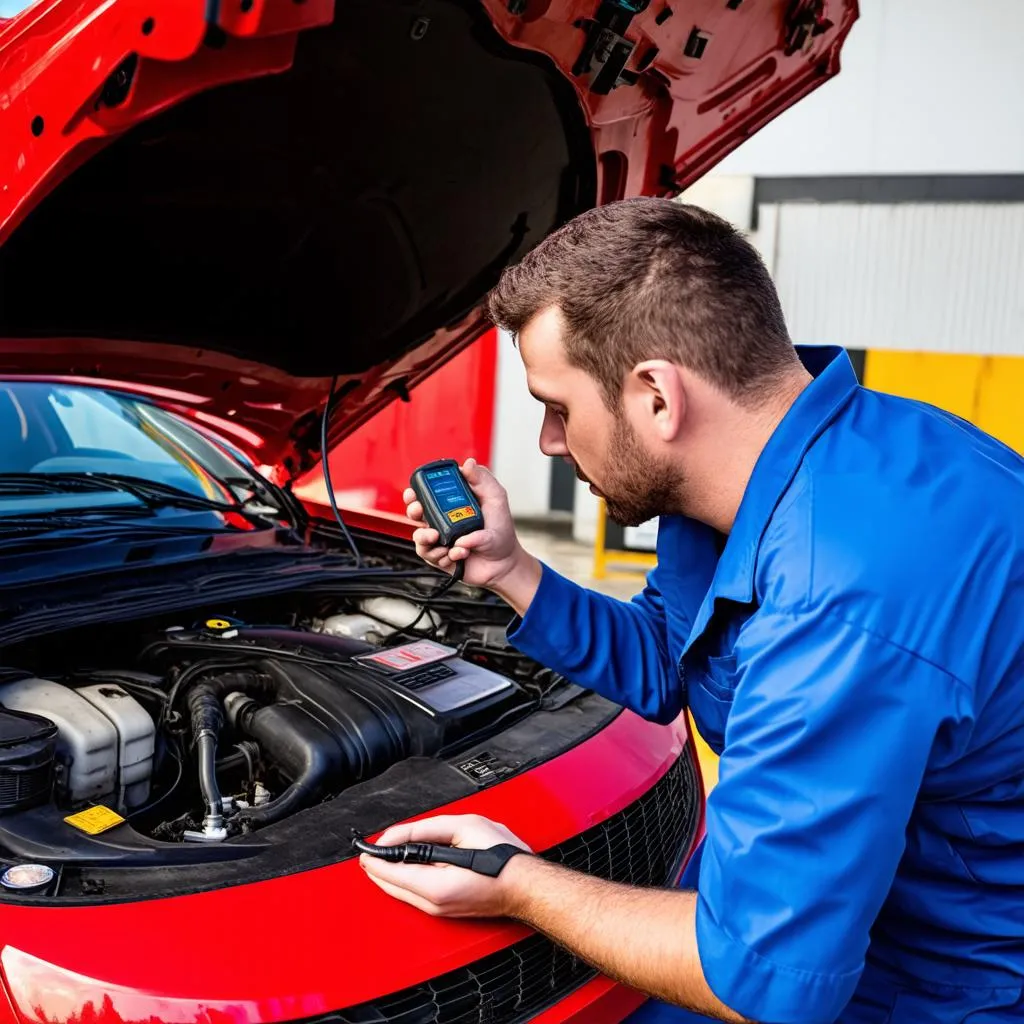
(637, 486)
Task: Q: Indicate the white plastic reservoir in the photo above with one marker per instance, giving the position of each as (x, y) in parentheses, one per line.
(105, 738)
(87, 740)
(136, 740)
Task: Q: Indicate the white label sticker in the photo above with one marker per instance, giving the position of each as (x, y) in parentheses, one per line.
(409, 656)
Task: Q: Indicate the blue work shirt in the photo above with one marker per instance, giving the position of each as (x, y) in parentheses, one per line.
(854, 652)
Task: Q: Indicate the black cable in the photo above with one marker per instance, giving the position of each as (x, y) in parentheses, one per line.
(326, 465)
(456, 576)
(457, 573)
(484, 862)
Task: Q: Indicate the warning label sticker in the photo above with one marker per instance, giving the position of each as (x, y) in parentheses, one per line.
(409, 656)
(95, 820)
(458, 514)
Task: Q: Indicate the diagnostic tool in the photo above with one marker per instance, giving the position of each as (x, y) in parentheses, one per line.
(483, 862)
(448, 504)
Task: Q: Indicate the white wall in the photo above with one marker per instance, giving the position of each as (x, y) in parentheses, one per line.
(926, 87)
(941, 277)
(516, 457)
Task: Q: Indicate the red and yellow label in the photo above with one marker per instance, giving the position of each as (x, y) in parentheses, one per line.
(458, 514)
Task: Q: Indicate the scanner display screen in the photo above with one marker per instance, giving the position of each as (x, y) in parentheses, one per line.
(450, 493)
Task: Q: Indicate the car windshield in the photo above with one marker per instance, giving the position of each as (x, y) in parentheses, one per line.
(66, 448)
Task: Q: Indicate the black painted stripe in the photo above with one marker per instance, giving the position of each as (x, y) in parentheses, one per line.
(892, 188)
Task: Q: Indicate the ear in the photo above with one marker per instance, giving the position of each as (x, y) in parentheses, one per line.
(655, 391)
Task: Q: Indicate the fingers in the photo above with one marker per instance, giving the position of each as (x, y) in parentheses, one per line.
(442, 828)
(425, 540)
(471, 542)
(426, 537)
(416, 878)
(398, 891)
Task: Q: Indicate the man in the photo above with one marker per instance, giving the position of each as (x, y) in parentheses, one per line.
(839, 600)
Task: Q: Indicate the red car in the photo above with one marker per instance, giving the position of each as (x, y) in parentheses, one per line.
(214, 213)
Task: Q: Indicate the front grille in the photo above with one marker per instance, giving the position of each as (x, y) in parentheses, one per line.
(641, 845)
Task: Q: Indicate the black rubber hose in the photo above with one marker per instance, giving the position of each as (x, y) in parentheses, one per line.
(303, 749)
(208, 777)
(205, 704)
(207, 722)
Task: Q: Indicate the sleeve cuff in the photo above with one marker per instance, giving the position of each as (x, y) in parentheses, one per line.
(760, 989)
(539, 634)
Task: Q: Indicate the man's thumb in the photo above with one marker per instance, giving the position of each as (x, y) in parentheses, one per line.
(481, 480)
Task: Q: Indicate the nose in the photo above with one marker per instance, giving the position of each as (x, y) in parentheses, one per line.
(552, 435)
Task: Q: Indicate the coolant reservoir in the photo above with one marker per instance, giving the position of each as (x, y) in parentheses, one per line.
(87, 741)
(136, 740)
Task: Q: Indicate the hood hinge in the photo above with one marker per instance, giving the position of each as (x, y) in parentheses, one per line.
(606, 48)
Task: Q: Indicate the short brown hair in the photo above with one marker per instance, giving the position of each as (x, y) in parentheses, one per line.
(653, 279)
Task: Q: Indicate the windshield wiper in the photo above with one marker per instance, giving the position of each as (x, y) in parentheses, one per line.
(151, 493)
(57, 539)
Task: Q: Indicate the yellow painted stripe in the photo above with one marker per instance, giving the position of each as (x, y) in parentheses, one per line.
(986, 390)
(706, 757)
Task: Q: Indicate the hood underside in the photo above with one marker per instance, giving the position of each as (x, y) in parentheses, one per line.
(229, 203)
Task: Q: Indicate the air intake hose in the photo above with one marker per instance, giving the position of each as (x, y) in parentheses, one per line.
(302, 749)
(316, 733)
(207, 718)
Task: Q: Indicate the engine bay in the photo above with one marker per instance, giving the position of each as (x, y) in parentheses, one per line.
(199, 738)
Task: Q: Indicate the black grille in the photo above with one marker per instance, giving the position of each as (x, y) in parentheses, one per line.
(642, 845)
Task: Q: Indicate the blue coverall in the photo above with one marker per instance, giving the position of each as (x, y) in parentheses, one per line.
(854, 652)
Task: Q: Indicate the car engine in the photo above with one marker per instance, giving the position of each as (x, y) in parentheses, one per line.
(214, 729)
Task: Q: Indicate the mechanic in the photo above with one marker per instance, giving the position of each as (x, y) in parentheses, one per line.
(838, 600)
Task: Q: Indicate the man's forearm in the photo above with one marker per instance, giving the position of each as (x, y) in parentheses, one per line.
(519, 586)
(645, 938)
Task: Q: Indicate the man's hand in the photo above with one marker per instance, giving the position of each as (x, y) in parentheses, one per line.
(494, 557)
(645, 938)
(441, 889)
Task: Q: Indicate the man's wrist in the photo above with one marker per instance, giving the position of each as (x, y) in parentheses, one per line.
(515, 881)
(519, 585)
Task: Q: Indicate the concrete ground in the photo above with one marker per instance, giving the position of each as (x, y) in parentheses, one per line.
(552, 543)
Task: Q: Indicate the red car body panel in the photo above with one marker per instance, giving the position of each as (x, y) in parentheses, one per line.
(179, 959)
(679, 117)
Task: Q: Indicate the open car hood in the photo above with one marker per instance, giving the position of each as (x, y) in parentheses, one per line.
(224, 203)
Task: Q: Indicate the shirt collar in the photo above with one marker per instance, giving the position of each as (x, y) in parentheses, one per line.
(817, 405)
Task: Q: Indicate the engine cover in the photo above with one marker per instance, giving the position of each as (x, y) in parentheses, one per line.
(424, 698)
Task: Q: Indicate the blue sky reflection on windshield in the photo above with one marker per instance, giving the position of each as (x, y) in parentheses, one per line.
(54, 428)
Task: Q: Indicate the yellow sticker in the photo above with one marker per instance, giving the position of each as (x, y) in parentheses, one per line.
(457, 514)
(217, 624)
(95, 820)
